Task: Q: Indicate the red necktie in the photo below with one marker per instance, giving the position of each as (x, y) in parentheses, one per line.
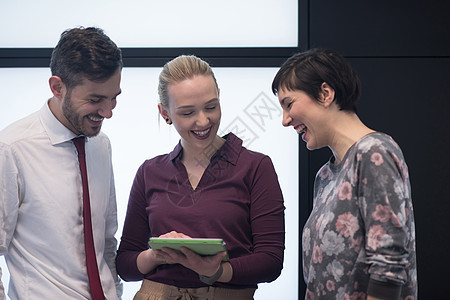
(91, 261)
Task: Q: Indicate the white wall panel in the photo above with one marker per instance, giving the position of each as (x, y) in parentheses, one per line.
(150, 23)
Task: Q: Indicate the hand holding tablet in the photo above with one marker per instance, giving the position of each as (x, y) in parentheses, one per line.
(201, 246)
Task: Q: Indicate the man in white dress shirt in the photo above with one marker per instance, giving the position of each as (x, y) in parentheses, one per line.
(41, 196)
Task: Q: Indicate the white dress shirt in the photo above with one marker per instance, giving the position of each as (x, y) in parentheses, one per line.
(41, 217)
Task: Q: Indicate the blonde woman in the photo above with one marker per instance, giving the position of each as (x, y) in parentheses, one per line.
(207, 187)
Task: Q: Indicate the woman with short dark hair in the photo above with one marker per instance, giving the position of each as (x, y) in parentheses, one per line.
(359, 241)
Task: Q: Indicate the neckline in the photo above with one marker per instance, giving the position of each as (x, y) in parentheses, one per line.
(353, 146)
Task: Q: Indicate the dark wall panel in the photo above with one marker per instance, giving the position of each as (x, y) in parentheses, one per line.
(381, 28)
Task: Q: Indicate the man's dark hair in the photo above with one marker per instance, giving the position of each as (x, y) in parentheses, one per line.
(306, 71)
(85, 53)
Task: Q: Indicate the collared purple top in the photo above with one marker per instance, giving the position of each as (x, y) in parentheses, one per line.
(237, 199)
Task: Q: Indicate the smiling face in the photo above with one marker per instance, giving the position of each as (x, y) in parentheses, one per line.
(194, 109)
(83, 108)
(306, 116)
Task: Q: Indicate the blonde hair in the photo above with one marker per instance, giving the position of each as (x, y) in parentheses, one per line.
(178, 69)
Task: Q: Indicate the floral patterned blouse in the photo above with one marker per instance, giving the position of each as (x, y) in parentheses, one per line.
(362, 224)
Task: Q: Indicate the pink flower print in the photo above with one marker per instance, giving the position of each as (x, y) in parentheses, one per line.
(382, 213)
(345, 191)
(326, 173)
(401, 165)
(405, 171)
(347, 224)
(317, 254)
(320, 289)
(319, 222)
(358, 296)
(396, 160)
(395, 220)
(330, 286)
(376, 158)
(374, 236)
(309, 295)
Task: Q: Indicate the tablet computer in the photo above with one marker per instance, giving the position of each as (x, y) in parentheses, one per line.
(201, 246)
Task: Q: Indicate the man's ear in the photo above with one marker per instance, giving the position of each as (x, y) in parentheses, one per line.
(57, 87)
(327, 93)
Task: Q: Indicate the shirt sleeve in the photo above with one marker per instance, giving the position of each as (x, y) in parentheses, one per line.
(387, 212)
(267, 224)
(111, 229)
(135, 232)
(9, 200)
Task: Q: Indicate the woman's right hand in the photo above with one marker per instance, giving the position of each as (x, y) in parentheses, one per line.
(147, 260)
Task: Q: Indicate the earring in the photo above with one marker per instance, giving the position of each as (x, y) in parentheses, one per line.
(168, 121)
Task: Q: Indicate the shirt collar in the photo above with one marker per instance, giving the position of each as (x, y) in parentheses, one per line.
(231, 148)
(229, 151)
(56, 131)
(176, 151)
